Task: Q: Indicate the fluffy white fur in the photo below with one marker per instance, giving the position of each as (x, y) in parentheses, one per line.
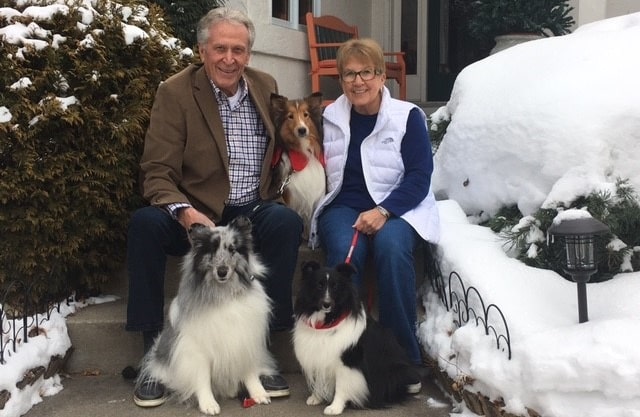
(216, 334)
(305, 187)
(319, 352)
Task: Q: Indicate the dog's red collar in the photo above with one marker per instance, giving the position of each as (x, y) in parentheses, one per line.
(323, 326)
(298, 159)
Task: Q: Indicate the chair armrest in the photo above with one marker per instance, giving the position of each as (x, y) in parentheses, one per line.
(326, 45)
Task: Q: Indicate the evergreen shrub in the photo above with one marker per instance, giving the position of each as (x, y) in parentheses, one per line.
(76, 89)
(526, 237)
(183, 16)
(491, 18)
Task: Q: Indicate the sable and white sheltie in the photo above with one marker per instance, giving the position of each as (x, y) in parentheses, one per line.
(345, 355)
(299, 159)
(215, 338)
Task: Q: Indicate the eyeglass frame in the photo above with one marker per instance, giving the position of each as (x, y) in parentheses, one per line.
(355, 74)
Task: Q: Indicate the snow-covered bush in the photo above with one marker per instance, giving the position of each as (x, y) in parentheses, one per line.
(548, 125)
(77, 80)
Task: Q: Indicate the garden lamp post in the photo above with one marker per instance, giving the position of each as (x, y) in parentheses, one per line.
(579, 237)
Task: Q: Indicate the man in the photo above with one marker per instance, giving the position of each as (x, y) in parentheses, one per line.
(206, 160)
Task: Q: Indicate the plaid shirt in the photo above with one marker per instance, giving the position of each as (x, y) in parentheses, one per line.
(246, 137)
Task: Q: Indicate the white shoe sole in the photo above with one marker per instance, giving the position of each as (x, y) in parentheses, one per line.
(149, 403)
(414, 388)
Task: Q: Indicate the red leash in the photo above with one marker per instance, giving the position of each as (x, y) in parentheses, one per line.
(354, 242)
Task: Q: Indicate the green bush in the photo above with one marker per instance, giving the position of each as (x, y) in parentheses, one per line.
(491, 18)
(183, 16)
(527, 237)
(77, 89)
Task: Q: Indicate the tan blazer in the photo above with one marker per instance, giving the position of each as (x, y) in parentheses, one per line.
(185, 157)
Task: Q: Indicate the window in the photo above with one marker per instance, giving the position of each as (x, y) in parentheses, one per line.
(292, 11)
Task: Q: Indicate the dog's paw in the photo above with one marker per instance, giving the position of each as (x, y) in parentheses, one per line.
(334, 409)
(210, 407)
(262, 399)
(313, 400)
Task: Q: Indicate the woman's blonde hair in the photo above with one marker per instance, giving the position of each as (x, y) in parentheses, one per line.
(363, 50)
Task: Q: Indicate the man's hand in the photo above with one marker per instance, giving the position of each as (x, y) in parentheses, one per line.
(189, 216)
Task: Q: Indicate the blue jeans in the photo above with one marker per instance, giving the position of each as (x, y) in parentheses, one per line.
(153, 234)
(392, 253)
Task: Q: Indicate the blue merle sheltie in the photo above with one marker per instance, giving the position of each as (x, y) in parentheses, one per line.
(214, 342)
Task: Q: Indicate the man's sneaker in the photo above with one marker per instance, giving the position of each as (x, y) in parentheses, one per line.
(275, 385)
(414, 388)
(149, 393)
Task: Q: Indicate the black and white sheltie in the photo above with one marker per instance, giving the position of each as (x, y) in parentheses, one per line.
(215, 338)
(345, 355)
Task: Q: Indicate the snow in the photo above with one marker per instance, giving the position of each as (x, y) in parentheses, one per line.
(538, 125)
(535, 125)
(545, 121)
(52, 340)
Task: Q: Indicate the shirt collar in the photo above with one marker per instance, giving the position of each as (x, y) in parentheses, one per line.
(221, 96)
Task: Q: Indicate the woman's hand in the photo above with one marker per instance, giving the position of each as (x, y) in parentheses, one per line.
(370, 221)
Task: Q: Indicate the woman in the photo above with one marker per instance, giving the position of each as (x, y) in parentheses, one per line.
(379, 165)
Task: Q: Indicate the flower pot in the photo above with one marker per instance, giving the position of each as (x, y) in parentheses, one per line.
(509, 40)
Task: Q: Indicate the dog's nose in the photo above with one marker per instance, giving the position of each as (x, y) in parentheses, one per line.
(302, 131)
(222, 271)
(326, 305)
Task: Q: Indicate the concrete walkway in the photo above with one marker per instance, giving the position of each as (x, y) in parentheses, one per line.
(111, 396)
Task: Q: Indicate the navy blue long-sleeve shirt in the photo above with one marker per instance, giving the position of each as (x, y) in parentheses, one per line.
(416, 157)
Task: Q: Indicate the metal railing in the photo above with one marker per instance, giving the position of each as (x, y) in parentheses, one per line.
(467, 303)
(21, 316)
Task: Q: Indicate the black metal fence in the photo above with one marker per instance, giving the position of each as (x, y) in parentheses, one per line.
(467, 303)
(23, 308)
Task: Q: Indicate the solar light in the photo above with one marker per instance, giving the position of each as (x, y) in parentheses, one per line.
(580, 256)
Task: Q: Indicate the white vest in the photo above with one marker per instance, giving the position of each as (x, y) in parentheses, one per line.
(382, 170)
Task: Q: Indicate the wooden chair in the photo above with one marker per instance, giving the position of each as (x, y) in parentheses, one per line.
(326, 34)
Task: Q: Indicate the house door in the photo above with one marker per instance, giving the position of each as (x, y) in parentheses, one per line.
(438, 46)
(413, 44)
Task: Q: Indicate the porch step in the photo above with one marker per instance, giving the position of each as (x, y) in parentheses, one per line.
(102, 346)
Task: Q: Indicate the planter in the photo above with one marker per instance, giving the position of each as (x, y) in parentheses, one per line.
(507, 41)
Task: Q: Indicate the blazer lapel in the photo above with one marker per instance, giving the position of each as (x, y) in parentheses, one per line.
(204, 97)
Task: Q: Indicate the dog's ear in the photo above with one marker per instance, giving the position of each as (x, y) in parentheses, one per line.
(310, 266)
(242, 224)
(198, 233)
(346, 269)
(278, 106)
(195, 229)
(315, 108)
(315, 99)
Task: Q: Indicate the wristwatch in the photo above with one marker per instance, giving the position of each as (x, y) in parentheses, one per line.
(383, 211)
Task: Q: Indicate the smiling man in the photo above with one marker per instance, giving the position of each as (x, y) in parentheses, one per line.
(206, 160)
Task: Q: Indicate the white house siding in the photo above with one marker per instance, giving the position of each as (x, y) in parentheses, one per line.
(283, 51)
(587, 11)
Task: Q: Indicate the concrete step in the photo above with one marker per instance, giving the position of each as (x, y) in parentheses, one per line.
(101, 345)
(112, 395)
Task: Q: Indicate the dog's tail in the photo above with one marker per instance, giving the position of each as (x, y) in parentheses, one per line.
(387, 368)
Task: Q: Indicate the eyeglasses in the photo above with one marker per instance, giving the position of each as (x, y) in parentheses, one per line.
(366, 75)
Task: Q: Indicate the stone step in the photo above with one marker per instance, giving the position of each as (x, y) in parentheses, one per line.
(100, 343)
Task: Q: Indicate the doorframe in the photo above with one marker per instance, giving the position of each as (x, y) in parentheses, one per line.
(416, 84)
